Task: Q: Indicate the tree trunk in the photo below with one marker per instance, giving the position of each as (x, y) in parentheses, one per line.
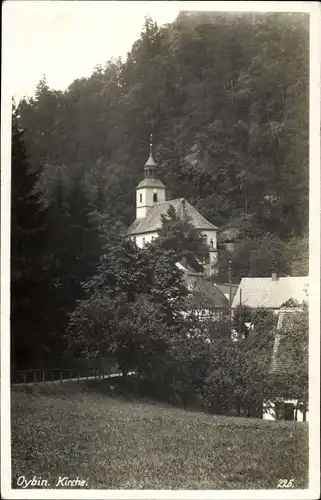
(238, 407)
(137, 383)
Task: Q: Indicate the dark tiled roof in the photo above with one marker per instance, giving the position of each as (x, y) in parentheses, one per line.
(212, 297)
(225, 288)
(283, 349)
(152, 221)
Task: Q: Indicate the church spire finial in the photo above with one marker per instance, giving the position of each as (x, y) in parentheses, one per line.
(150, 162)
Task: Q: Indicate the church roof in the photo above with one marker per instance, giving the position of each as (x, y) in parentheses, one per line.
(151, 162)
(149, 182)
(152, 222)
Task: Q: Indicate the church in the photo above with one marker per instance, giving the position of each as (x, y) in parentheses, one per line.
(151, 203)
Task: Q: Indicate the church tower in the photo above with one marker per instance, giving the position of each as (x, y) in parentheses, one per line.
(150, 190)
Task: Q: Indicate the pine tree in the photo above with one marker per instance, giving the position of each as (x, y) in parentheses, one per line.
(28, 244)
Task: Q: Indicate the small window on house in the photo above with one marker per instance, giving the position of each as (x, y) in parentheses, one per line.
(155, 197)
(140, 198)
(143, 241)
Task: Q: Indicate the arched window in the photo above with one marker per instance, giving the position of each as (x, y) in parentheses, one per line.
(155, 197)
(140, 198)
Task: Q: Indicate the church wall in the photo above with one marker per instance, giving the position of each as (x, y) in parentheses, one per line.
(145, 238)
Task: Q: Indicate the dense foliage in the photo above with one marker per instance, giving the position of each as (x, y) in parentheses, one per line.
(226, 98)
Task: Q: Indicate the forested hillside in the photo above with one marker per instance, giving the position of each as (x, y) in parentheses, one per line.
(226, 98)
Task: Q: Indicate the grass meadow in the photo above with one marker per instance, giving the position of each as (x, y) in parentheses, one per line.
(115, 440)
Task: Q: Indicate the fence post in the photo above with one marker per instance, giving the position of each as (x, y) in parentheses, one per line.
(34, 377)
(61, 377)
(70, 376)
(43, 375)
(25, 375)
(52, 377)
(78, 376)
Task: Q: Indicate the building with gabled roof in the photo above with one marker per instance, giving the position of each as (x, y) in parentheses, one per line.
(151, 204)
(284, 362)
(271, 293)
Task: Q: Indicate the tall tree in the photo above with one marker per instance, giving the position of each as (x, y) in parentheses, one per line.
(29, 285)
(115, 317)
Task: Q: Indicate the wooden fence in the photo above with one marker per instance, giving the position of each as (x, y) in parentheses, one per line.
(57, 375)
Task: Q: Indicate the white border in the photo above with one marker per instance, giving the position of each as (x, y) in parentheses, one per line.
(314, 227)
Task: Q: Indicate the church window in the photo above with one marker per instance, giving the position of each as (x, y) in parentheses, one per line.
(140, 198)
(155, 197)
(212, 243)
(143, 241)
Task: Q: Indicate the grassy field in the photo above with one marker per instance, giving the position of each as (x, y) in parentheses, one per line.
(117, 442)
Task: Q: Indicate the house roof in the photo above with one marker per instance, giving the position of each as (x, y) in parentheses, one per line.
(152, 222)
(283, 354)
(209, 295)
(188, 270)
(269, 293)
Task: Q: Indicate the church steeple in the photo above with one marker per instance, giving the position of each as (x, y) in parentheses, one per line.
(150, 164)
(150, 190)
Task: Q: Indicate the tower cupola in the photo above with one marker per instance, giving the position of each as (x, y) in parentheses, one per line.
(151, 163)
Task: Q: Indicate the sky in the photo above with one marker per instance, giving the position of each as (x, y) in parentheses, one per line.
(65, 40)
